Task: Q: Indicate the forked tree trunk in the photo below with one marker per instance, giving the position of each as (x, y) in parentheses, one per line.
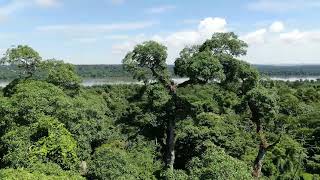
(257, 165)
(259, 161)
(263, 148)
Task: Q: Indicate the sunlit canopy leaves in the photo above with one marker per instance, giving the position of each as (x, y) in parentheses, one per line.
(147, 61)
(24, 57)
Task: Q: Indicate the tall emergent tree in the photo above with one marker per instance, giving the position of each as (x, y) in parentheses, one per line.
(264, 109)
(24, 57)
(148, 62)
(198, 66)
(216, 60)
(225, 43)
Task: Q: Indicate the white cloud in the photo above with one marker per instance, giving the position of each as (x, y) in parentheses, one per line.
(160, 9)
(210, 25)
(255, 37)
(297, 36)
(292, 47)
(265, 47)
(177, 40)
(282, 5)
(292, 36)
(276, 27)
(48, 3)
(123, 47)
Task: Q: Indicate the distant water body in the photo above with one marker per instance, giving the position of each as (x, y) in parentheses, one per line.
(94, 82)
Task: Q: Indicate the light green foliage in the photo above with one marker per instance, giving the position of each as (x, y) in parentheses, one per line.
(308, 94)
(289, 104)
(118, 160)
(39, 172)
(5, 108)
(263, 104)
(33, 98)
(225, 43)
(309, 135)
(158, 96)
(83, 116)
(147, 61)
(86, 119)
(285, 161)
(46, 140)
(173, 175)
(54, 143)
(24, 57)
(216, 164)
(15, 148)
(61, 74)
(224, 131)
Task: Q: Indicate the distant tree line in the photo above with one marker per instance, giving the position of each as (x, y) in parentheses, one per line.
(117, 71)
(287, 71)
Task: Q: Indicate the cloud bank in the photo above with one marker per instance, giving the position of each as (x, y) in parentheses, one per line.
(266, 45)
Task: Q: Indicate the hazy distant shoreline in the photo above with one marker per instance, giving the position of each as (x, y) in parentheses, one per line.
(111, 81)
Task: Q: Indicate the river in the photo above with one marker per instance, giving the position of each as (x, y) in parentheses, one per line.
(92, 82)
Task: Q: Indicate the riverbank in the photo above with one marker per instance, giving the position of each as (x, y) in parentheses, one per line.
(111, 81)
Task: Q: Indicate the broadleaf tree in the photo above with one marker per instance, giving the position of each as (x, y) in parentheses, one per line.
(24, 57)
(148, 62)
(264, 110)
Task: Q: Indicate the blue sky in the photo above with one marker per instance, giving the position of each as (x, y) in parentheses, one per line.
(102, 31)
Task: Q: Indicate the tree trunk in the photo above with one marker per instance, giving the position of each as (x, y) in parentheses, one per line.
(257, 166)
(259, 161)
(170, 141)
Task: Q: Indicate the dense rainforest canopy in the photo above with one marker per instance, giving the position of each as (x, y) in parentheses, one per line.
(225, 122)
